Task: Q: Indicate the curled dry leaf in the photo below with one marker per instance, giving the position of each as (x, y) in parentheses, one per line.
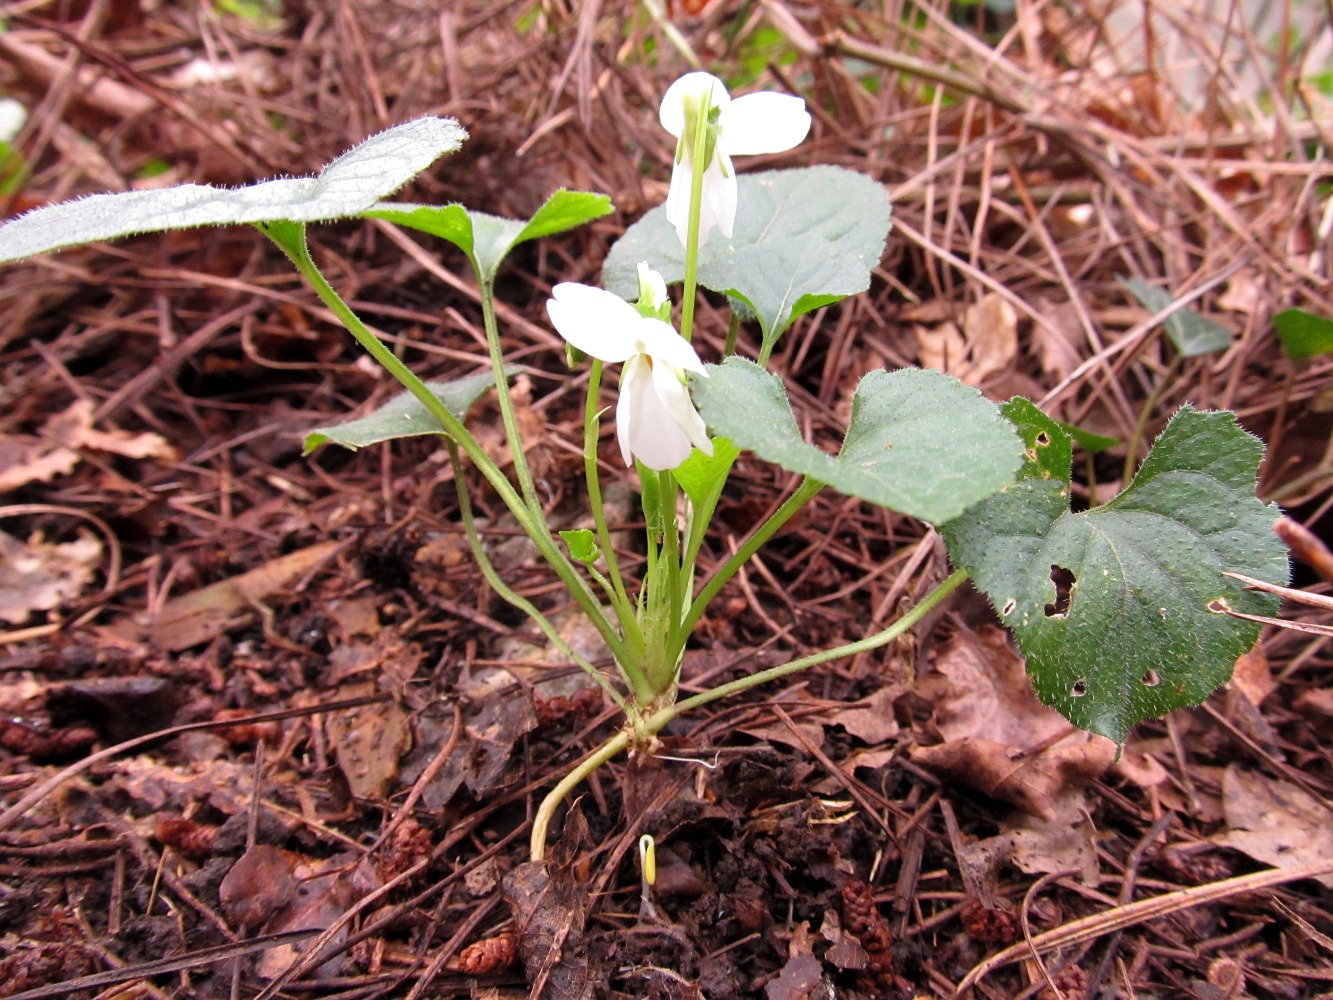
(38, 576)
(999, 739)
(550, 908)
(984, 346)
(1275, 822)
(55, 451)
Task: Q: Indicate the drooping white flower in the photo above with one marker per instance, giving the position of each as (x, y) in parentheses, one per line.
(753, 124)
(655, 419)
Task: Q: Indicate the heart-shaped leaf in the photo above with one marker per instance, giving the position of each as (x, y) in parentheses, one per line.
(1303, 334)
(403, 416)
(346, 187)
(803, 238)
(1118, 608)
(488, 239)
(1191, 333)
(920, 442)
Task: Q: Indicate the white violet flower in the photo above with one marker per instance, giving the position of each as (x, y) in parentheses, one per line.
(656, 422)
(753, 124)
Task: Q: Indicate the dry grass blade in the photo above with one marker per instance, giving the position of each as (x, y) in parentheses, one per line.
(181, 963)
(1290, 593)
(1089, 928)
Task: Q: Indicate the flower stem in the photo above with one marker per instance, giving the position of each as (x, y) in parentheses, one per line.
(542, 820)
(506, 592)
(652, 724)
(790, 507)
(290, 238)
(696, 145)
(517, 453)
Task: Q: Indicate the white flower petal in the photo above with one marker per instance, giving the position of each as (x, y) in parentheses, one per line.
(678, 197)
(652, 287)
(645, 428)
(718, 207)
(635, 378)
(676, 401)
(763, 123)
(661, 342)
(691, 87)
(594, 320)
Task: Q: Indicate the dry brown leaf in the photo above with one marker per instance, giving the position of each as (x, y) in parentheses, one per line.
(1034, 784)
(778, 731)
(871, 719)
(1275, 821)
(74, 429)
(999, 739)
(985, 345)
(369, 741)
(55, 450)
(258, 885)
(941, 347)
(802, 977)
(1138, 765)
(1059, 339)
(29, 460)
(990, 327)
(38, 576)
(203, 614)
(1252, 676)
(356, 615)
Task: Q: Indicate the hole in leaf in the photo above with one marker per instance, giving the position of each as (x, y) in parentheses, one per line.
(1042, 439)
(1008, 608)
(1219, 605)
(1151, 679)
(1064, 582)
(1079, 689)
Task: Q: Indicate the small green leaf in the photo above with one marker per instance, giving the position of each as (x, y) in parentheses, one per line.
(1114, 606)
(702, 476)
(803, 239)
(1191, 333)
(346, 187)
(582, 545)
(1303, 334)
(488, 239)
(403, 416)
(920, 442)
(1093, 444)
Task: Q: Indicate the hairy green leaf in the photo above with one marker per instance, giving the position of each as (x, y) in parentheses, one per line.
(346, 187)
(920, 442)
(803, 238)
(488, 239)
(1116, 608)
(403, 416)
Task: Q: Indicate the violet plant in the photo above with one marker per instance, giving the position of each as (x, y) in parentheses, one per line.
(1121, 610)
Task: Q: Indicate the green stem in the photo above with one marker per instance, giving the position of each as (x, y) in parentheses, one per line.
(1145, 414)
(652, 724)
(623, 606)
(804, 493)
(507, 593)
(290, 238)
(733, 334)
(697, 166)
(516, 450)
(542, 820)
